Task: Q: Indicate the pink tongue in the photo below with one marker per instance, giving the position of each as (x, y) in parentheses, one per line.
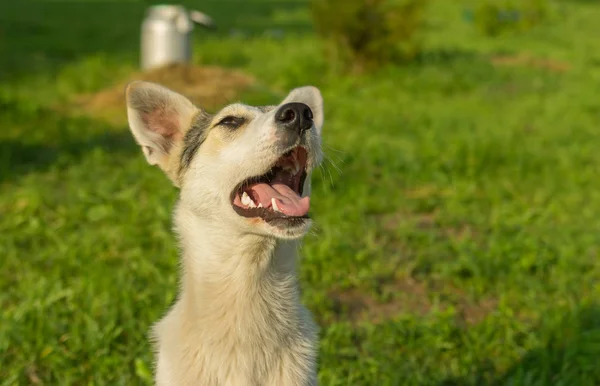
(288, 201)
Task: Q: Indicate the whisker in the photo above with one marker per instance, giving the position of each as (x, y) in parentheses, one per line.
(322, 173)
(332, 148)
(329, 172)
(332, 162)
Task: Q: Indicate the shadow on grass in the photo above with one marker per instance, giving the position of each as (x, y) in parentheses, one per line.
(569, 356)
(42, 36)
(46, 139)
(445, 57)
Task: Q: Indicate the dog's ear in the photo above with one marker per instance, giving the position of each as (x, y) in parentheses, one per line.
(311, 96)
(158, 119)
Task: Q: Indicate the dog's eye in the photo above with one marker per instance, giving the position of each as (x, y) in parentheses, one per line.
(232, 122)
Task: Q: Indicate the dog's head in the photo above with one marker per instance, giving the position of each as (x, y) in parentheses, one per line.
(247, 166)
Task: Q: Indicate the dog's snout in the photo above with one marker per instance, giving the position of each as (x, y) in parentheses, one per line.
(295, 116)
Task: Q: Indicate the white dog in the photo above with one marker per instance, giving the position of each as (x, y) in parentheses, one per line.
(244, 179)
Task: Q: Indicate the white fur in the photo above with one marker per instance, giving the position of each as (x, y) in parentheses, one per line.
(238, 319)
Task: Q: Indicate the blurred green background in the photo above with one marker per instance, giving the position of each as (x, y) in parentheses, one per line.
(457, 215)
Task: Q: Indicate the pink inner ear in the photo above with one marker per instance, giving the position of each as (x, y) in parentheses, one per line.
(163, 122)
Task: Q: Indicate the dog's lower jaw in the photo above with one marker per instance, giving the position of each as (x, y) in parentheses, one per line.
(238, 319)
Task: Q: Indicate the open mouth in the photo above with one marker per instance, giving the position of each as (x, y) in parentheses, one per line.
(276, 194)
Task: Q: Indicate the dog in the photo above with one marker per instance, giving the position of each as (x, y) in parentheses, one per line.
(244, 193)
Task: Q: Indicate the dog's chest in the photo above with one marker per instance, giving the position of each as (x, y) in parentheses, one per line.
(255, 348)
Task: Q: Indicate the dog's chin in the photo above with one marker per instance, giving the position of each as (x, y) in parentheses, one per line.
(288, 229)
(285, 228)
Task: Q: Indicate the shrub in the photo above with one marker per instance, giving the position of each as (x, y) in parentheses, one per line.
(364, 34)
(493, 17)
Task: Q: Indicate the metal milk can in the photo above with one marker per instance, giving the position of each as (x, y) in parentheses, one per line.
(167, 35)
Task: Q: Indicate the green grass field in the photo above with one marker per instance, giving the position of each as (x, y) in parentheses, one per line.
(457, 219)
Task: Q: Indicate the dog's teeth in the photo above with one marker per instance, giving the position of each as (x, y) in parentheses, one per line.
(259, 205)
(274, 205)
(246, 200)
(296, 166)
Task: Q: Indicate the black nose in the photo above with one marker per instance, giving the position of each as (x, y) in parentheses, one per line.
(295, 116)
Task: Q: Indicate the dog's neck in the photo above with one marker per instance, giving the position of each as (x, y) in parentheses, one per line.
(226, 269)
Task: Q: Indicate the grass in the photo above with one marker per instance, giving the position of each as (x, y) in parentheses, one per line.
(457, 236)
